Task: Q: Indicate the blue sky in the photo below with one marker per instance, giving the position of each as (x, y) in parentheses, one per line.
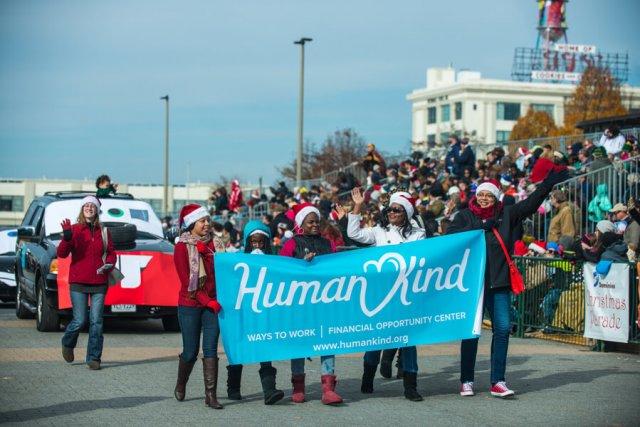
(80, 81)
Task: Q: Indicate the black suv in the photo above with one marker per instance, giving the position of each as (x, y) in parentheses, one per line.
(39, 235)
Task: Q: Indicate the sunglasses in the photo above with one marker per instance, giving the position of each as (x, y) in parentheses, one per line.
(395, 210)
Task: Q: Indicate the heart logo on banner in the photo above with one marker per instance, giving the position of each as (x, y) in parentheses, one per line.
(400, 266)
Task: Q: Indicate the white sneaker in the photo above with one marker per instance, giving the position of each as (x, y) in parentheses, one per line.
(467, 389)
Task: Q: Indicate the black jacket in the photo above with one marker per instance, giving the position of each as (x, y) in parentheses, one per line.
(496, 273)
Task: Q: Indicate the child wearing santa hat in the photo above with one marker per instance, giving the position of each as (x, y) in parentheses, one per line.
(306, 245)
(257, 240)
(396, 226)
(197, 305)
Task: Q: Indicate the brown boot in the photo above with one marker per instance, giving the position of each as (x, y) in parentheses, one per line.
(329, 395)
(184, 370)
(298, 388)
(210, 368)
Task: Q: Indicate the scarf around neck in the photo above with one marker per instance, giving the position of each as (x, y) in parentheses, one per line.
(484, 213)
(197, 273)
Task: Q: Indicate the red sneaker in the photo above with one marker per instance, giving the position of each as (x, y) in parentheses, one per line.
(500, 389)
(467, 389)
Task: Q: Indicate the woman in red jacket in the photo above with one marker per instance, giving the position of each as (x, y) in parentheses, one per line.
(88, 276)
(197, 305)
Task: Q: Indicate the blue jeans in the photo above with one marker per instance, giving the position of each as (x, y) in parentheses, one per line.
(79, 302)
(409, 357)
(327, 365)
(498, 304)
(193, 321)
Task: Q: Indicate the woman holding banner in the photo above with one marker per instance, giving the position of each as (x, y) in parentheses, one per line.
(197, 305)
(396, 226)
(257, 240)
(306, 245)
(486, 212)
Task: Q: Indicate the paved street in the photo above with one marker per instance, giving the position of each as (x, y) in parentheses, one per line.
(556, 384)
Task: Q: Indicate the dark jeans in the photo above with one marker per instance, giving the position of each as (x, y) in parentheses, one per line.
(79, 302)
(409, 357)
(497, 303)
(193, 321)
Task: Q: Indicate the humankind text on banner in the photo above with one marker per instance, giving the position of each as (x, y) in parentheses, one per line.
(606, 299)
(423, 292)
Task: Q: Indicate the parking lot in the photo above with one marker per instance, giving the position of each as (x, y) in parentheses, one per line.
(556, 384)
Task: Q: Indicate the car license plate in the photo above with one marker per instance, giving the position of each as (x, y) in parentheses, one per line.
(123, 308)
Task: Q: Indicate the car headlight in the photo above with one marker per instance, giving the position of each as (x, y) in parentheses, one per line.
(53, 267)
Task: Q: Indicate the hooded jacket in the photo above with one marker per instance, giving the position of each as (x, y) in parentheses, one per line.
(600, 204)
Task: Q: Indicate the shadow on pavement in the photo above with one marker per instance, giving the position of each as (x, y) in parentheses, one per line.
(76, 407)
(108, 365)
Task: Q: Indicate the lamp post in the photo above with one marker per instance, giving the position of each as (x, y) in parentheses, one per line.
(165, 202)
(300, 42)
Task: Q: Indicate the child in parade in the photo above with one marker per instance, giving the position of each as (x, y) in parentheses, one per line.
(487, 212)
(91, 261)
(197, 305)
(306, 245)
(257, 240)
(396, 226)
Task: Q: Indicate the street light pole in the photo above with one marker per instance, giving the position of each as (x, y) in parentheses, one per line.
(301, 42)
(166, 156)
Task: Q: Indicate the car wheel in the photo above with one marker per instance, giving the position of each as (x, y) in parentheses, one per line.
(22, 312)
(171, 324)
(47, 319)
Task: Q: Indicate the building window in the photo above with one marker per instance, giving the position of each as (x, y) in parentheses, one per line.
(458, 111)
(156, 205)
(431, 140)
(445, 113)
(444, 137)
(11, 203)
(502, 136)
(547, 108)
(508, 111)
(475, 107)
(431, 115)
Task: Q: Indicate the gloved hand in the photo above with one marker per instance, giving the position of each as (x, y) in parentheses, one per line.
(66, 229)
(556, 176)
(215, 306)
(489, 224)
(201, 247)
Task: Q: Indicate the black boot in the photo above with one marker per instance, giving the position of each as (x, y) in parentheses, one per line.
(400, 373)
(184, 370)
(210, 370)
(385, 362)
(268, 380)
(234, 377)
(410, 381)
(367, 378)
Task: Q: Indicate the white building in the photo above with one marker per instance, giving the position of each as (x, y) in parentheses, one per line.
(17, 194)
(485, 110)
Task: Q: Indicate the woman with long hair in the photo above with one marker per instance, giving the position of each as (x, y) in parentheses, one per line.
(91, 261)
(487, 212)
(396, 225)
(197, 305)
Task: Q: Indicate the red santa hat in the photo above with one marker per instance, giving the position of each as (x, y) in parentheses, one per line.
(491, 186)
(523, 151)
(538, 247)
(191, 213)
(405, 200)
(91, 199)
(302, 210)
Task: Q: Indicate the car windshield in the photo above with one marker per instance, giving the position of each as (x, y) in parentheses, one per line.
(134, 212)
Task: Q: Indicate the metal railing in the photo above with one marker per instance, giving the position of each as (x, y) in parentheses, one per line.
(552, 304)
(561, 143)
(617, 182)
